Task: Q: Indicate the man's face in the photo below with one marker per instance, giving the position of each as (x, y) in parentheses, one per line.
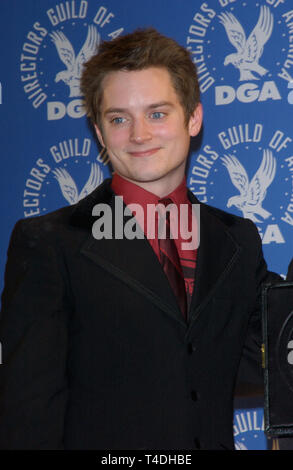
(143, 128)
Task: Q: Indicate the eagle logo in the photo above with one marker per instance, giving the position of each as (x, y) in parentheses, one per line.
(71, 76)
(250, 50)
(252, 193)
(69, 188)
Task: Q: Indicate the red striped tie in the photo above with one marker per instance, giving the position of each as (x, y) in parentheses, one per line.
(170, 261)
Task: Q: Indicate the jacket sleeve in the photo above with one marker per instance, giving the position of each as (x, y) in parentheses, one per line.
(250, 374)
(33, 336)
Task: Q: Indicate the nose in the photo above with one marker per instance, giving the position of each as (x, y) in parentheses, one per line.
(140, 131)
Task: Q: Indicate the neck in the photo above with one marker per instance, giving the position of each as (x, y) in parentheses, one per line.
(162, 186)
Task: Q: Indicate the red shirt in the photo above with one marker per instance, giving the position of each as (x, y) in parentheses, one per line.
(134, 194)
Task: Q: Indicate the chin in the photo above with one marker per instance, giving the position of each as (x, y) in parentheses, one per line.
(146, 178)
(145, 175)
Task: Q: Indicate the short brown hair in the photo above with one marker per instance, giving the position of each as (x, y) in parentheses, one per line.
(136, 51)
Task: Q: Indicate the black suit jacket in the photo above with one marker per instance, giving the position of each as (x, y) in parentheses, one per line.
(96, 354)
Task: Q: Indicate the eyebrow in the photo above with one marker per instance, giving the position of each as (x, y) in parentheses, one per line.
(151, 106)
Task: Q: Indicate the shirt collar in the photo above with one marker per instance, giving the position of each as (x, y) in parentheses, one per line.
(132, 193)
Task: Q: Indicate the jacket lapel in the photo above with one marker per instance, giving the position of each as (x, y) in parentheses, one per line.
(135, 263)
(217, 253)
(132, 261)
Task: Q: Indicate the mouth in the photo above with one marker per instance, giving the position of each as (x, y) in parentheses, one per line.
(143, 153)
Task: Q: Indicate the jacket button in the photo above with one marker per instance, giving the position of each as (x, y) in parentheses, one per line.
(191, 348)
(194, 395)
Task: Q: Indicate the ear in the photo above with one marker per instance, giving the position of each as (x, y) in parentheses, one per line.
(195, 121)
(100, 135)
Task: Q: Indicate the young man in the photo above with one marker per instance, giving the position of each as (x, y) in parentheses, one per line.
(99, 352)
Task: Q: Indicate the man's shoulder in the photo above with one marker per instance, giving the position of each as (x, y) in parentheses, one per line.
(47, 222)
(68, 217)
(242, 230)
(227, 218)
(236, 225)
(40, 231)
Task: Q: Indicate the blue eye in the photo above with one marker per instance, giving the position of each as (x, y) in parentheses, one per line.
(117, 120)
(157, 115)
